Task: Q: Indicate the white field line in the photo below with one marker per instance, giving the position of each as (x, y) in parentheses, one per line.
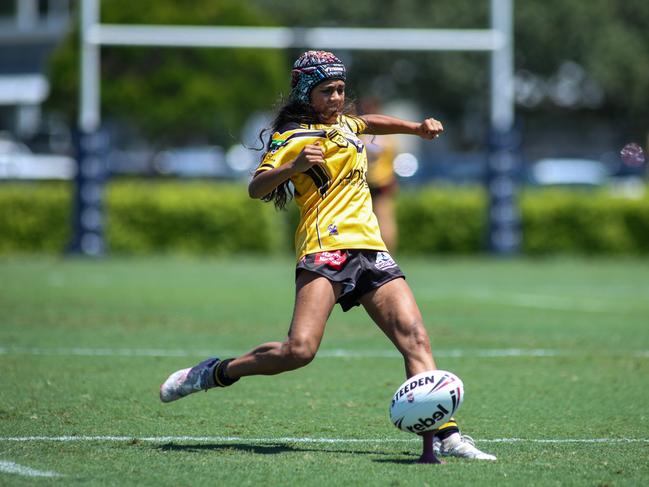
(330, 353)
(11, 467)
(555, 303)
(240, 439)
(540, 301)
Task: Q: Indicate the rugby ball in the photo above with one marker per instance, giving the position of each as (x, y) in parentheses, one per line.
(426, 401)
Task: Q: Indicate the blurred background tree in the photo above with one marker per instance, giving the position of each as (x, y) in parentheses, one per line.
(587, 60)
(172, 94)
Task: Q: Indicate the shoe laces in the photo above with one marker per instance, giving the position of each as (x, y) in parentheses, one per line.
(437, 442)
(465, 442)
(467, 439)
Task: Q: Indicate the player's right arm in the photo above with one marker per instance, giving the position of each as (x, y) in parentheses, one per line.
(384, 124)
(263, 182)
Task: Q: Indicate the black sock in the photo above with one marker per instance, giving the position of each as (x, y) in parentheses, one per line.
(221, 378)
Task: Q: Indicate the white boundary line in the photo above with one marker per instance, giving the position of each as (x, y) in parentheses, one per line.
(240, 439)
(331, 353)
(11, 467)
(555, 303)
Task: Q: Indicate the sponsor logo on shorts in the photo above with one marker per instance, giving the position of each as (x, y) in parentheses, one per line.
(335, 259)
(384, 261)
(333, 229)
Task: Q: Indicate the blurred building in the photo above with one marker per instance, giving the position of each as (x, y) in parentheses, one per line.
(29, 31)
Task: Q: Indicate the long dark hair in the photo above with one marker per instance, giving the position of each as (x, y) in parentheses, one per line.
(289, 116)
(292, 113)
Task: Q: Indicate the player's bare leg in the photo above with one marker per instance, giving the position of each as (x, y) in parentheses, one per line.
(393, 308)
(395, 311)
(315, 298)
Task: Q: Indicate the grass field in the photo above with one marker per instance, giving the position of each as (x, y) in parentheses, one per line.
(554, 355)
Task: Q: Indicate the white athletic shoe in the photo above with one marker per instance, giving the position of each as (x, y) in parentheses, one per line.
(187, 381)
(461, 446)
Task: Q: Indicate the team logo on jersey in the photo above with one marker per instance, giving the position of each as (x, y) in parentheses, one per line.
(384, 261)
(276, 144)
(337, 138)
(333, 229)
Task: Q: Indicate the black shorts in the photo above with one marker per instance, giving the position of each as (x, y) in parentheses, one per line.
(359, 271)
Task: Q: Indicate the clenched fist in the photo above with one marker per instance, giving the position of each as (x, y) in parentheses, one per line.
(311, 155)
(429, 129)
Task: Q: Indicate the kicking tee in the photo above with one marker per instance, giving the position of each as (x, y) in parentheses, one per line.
(333, 198)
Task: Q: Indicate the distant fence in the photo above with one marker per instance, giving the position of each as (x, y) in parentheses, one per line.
(207, 218)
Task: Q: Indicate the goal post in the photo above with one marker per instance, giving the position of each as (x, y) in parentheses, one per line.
(503, 214)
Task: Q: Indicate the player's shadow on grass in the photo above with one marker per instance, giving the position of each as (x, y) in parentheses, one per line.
(273, 449)
(270, 449)
(399, 461)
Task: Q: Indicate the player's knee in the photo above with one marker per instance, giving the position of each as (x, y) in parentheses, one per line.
(299, 354)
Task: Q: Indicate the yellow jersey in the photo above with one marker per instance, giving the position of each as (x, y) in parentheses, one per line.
(333, 198)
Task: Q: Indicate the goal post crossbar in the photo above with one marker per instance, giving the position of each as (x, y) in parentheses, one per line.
(285, 37)
(496, 40)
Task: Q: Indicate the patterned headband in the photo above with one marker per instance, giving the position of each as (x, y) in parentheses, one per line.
(311, 68)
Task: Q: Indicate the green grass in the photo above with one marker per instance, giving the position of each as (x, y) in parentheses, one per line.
(590, 316)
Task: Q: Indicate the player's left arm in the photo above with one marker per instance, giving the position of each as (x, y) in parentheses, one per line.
(377, 124)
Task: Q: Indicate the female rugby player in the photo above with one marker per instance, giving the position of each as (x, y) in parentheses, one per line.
(341, 257)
